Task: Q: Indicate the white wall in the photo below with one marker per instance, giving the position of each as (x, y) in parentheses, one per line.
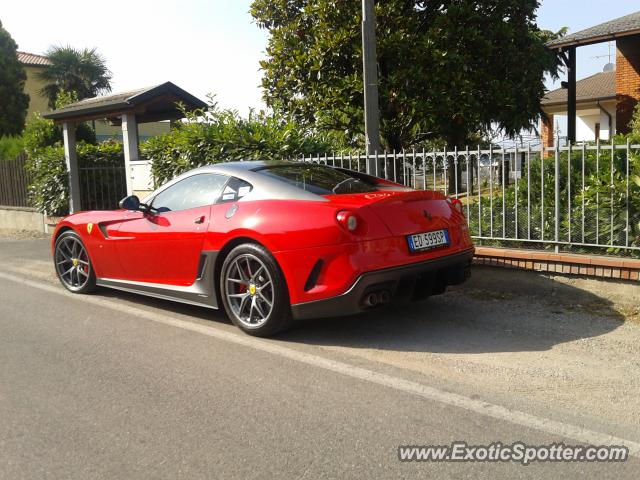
(586, 122)
(18, 218)
(604, 120)
(586, 127)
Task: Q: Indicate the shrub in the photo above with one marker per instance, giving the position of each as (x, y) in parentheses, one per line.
(40, 133)
(222, 135)
(635, 125)
(49, 188)
(10, 147)
(108, 153)
(604, 216)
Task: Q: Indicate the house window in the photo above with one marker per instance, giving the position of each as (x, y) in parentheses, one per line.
(598, 131)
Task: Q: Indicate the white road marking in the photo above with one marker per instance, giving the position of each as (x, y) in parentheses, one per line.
(499, 412)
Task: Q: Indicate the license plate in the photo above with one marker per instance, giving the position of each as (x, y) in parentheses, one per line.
(427, 240)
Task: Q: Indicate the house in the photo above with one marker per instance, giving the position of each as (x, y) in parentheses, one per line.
(33, 64)
(595, 106)
(601, 104)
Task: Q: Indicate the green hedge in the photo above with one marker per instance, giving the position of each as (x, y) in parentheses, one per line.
(222, 135)
(10, 147)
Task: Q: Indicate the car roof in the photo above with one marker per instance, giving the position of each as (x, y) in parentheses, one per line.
(265, 187)
(250, 165)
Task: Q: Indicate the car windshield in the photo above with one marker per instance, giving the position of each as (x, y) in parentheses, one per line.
(318, 179)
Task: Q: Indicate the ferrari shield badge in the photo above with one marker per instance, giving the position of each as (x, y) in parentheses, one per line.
(89, 227)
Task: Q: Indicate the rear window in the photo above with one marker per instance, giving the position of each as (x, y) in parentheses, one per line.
(318, 179)
(234, 190)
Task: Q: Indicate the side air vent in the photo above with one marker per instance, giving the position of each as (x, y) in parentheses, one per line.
(201, 265)
(103, 229)
(313, 276)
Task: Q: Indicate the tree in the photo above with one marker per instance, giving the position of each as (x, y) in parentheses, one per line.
(83, 72)
(13, 101)
(448, 70)
(634, 135)
(40, 133)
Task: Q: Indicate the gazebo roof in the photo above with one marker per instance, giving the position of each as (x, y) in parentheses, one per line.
(619, 27)
(149, 104)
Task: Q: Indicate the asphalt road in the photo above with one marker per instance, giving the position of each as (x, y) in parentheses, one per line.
(113, 385)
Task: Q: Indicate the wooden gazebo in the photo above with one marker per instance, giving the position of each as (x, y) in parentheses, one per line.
(127, 109)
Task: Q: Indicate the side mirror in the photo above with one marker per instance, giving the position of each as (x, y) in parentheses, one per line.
(130, 203)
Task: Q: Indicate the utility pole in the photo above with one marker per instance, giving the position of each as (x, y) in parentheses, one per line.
(370, 76)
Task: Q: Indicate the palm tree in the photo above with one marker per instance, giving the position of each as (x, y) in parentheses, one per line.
(84, 72)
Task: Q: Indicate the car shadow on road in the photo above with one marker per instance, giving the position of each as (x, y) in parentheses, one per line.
(469, 320)
(465, 320)
(168, 306)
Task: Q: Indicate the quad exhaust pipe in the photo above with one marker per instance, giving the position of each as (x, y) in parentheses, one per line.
(377, 299)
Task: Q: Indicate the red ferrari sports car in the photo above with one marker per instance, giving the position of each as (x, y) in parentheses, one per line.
(271, 242)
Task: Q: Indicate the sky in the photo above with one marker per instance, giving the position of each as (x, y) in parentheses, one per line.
(203, 46)
(213, 46)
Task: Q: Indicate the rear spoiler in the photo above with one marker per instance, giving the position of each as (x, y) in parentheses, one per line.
(411, 196)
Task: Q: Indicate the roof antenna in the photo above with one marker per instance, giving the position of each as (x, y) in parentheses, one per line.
(609, 66)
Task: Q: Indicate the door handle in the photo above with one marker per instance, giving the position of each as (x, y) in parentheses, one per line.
(199, 220)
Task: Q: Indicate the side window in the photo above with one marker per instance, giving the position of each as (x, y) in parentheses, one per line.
(235, 190)
(192, 192)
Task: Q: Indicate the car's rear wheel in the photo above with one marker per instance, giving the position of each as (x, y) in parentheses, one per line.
(73, 265)
(254, 291)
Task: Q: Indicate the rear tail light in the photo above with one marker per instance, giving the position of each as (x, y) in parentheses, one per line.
(348, 220)
(457, 204)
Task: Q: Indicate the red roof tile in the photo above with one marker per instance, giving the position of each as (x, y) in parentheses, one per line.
(32, 59)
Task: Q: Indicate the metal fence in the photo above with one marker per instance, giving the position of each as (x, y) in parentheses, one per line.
(102, 187)
(14, 182)
(574, 198)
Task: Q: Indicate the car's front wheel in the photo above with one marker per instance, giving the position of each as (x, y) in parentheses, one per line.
(73, 265)
(254, 291)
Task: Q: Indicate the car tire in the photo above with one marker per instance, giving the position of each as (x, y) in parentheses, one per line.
(254, 291)
(72, 263)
